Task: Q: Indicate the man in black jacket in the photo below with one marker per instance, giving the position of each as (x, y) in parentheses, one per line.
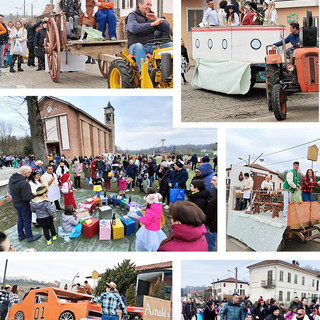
(31, 33)
(132, 172)
(21, 195)
(152, 168)
(3, 40)
(141, 25)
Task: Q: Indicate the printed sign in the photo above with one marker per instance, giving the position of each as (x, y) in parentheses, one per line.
(156, 309)
(95, 274)
(313, 152)
(292, 18)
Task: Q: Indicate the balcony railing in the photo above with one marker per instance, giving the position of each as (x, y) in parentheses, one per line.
(268, 283)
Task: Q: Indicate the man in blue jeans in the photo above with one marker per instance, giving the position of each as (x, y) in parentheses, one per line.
(20, 191)
(111, 302)
(141, 25)
(104, 16)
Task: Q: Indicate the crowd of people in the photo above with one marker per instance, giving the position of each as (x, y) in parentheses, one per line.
(243, 309)
(35, 189)
(19, 39)
(111, 300)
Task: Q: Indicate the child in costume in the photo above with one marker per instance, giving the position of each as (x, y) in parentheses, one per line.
(45, 213)
(97, 184)
(149, 237)
(67, 190)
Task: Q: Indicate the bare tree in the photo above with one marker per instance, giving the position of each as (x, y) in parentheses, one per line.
(36, 127)
(5, 136)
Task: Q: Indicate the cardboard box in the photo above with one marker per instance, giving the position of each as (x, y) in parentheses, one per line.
(90, 230)
(130, 205)
(105, 212)
(105, 230)
(117, 200)
(135, 218)
(4, 200)
(123, 204)
(129, 225)
(97, 201)
(117, 230)
(91, 206)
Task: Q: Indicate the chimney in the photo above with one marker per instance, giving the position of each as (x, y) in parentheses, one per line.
(293, 262)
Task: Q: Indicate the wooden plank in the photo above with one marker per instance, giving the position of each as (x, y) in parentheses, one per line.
(97, 48)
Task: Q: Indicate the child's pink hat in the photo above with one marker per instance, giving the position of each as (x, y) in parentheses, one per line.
(153, 198)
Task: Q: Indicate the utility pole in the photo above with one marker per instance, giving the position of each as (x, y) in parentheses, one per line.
(24, 8)
(163, 141)
(32, 11)
(236, 273)
(51, 7)
(5, 273)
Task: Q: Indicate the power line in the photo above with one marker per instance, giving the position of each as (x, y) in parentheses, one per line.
(300, 145)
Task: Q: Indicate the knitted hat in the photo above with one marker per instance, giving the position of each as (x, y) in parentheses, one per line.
(65, 178)
(273, 309)
(164, 164)
(180, 163)
(153, 198)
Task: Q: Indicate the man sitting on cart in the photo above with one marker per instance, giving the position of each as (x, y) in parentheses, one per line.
(293, 38)
(141, 25)
(72, 10)
(104, 16)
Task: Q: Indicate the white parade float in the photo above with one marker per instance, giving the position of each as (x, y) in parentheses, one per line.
(229, 58)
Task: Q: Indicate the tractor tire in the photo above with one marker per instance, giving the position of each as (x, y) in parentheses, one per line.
(253, 79)
(272, 78)
(309, 18)
(153, 74)
(19, 315)
(305, 22)
(120, 75)
(279, 102)
(67, 315)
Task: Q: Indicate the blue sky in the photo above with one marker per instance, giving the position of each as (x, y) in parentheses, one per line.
(140, 121)
(204, 272)
(244, 142)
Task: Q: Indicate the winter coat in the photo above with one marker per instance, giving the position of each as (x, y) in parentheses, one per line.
(188, 309)
(152, 168)
(209, 314)
(69, 7)
(87, 171)
(207, 174)
(185, 238)
(152, 217)
(199, 198)
(122, 185)
(211, 212)
(39, 42)
(179, 177)
(256, 312)
(106, 170)
(163, 175)
(68, 222)
(132, 171)
(272, 317)
(43, 209)
(22, 36)
(76, 169)
(4, 37)
(31, 32)
(100, 165)
(194, 159)
(20, 190)
(232, 312)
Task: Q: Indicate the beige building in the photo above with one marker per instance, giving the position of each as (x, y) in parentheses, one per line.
(70, 131)
(226, 287)
(282, 281)
(288, 10)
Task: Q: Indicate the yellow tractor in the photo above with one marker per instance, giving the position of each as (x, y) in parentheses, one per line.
(156, 70)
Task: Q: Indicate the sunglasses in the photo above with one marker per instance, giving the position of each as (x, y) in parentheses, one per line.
(299, 314)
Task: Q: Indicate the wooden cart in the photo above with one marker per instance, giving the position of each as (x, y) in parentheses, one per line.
(56, 42)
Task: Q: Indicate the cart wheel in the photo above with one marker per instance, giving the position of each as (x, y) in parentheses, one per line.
(279, 102)
(103, 67)
(309, 18)
(52, 49)
(121, 75)
(67, 315)
(272, 78)
(19, 315)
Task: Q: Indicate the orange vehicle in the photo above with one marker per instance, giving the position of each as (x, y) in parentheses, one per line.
(55, 304)
(298, 74)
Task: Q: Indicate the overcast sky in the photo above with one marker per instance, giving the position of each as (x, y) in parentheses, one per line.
(140, 122)
(65, 267)
(244, 142)
(203, 273)
(14, 6)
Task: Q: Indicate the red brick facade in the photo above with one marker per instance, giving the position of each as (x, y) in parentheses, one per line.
(72, 131)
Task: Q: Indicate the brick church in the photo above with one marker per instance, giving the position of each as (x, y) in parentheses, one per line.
(71, 131)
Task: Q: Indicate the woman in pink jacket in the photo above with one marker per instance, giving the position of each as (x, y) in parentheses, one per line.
(187, 228)
(149, 237)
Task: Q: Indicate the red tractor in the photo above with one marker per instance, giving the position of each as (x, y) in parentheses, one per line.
(300, 73)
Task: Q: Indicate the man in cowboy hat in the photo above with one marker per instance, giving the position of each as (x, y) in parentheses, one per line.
(110, 303)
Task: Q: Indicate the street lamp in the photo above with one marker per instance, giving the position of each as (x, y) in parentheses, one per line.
(236, 277)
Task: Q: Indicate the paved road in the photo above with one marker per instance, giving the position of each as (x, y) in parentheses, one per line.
(199, 105)
(30, 78)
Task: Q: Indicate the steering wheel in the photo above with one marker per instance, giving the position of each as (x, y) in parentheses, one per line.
(157, 42)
